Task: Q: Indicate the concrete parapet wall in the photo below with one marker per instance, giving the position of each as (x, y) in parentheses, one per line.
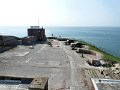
(40, 83)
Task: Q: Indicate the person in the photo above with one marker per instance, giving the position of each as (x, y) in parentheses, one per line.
(52, 35)
(82, 56)
(102, 72)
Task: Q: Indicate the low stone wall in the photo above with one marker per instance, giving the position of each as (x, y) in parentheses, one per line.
(39, 84)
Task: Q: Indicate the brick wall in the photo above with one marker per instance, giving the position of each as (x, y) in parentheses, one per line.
(38, 32)
(29, 40)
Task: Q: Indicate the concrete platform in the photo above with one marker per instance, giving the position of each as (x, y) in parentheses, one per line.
(59, 63)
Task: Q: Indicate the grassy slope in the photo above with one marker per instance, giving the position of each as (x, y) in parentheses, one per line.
(106, 56)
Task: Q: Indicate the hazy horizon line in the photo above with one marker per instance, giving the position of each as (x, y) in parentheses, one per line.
(53, 26)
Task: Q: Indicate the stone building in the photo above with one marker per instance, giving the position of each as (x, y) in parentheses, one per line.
(38, 32)
(29, 40)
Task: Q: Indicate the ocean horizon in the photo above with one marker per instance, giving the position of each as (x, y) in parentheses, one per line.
(105, 38)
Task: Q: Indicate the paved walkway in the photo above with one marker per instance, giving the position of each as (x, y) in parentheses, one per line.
(76, 62)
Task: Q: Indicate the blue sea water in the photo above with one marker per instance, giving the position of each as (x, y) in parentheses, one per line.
(106, 38)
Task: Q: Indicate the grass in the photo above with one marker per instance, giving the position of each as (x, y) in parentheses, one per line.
(106, 56)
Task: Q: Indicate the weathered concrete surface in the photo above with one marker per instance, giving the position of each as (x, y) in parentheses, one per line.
(59, 63)
(5, 48)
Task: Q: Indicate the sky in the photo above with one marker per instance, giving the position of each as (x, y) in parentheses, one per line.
(60, 12)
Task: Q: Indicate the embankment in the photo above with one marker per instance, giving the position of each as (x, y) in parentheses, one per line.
(106, 56)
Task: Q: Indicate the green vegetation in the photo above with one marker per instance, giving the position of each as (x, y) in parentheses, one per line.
(106, 56)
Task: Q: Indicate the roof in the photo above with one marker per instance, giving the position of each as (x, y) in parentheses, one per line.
(106, 84)
(36, 27)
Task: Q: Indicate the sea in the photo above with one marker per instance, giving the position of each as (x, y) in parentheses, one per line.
(105, 38)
